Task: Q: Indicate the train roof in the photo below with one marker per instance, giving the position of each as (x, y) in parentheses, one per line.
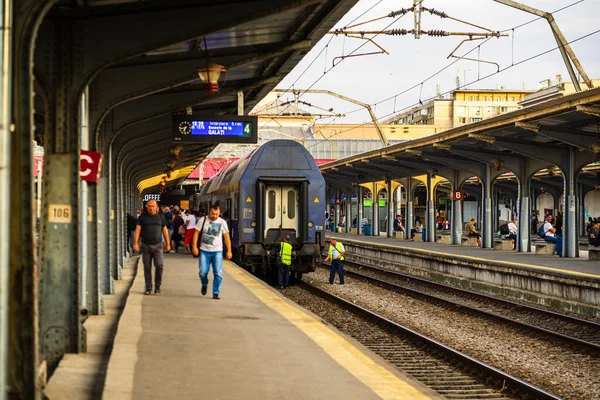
(275, 155)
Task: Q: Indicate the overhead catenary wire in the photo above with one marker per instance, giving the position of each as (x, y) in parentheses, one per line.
(332, 67)
(316, 57)
(464, 55)
(469, 83)
(394, 97)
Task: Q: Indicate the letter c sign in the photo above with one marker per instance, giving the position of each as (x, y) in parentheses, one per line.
(90, 165)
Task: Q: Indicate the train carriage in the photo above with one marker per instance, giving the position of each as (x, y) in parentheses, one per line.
(274, 191)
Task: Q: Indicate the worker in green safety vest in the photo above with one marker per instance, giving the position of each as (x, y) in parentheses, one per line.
(284, 262)
(336, 256)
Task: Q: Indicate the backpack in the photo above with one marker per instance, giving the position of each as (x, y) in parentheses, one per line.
(541, 232)
(504, 229)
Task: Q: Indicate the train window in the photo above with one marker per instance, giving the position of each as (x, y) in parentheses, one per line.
(272, 203)
(291, 200)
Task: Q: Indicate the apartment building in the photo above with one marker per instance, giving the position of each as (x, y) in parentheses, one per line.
(463, 106)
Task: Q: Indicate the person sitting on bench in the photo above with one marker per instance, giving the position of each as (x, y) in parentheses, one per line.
(471, 231)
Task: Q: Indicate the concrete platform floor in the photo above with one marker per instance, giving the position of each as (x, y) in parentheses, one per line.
(251, 344)
(551, 264)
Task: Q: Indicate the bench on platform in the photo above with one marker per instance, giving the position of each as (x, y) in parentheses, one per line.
(593, 253)
(503, 244)
(418, 237)
(353, 231)
(544, 248)
(399, 235)
(445, 239)
(468, 241)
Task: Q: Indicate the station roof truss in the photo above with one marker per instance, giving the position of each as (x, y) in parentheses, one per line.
(258, 42)
(541, 134)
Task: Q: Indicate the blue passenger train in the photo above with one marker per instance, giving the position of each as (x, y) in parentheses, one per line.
(274, 191)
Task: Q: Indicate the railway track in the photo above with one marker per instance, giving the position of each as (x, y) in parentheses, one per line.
(450, 373)
(574, 332)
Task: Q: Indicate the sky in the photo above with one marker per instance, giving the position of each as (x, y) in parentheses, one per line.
(374, 78)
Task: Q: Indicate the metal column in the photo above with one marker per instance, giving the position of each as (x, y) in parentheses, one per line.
(457, 220)
(570, 234)
(336, 221)
(112, 222)
(375, 208)
(409, 208)
(581, 210)
(359, 231)
(487, 241)
(103, 219)
(61, 320)
(391, 209)
(523, 243)
(23, 324)
(83, 205)
(5, 145)
(348, 223)
(430, 210)
(457, 223)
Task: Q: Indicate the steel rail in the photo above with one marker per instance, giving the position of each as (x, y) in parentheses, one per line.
(504, 381)
(463, 293)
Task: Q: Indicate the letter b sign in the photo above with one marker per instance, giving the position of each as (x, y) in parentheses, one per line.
(456, 195)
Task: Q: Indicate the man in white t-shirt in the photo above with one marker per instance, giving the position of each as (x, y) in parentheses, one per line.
(212, 231)
(550, 234)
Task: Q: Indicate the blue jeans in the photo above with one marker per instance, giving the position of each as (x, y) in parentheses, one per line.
(336, 266)
(283, 274)
(558, 240)
(216, 259)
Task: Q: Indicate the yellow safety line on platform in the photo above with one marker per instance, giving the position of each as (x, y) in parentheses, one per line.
(508, 263)
(380, 380)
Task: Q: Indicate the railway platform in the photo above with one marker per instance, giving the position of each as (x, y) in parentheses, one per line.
(252, 343)
(568, 284)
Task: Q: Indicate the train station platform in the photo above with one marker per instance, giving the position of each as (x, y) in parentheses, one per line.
(252, 343)
(564, 284)
(575, 267)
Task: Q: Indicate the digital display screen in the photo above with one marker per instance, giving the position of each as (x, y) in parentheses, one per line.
(220, 128)
(215, 129)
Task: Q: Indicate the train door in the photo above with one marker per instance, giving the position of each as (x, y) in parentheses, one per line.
(282, 208)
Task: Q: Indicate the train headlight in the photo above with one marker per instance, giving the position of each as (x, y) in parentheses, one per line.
(253, 224)
(310, 224)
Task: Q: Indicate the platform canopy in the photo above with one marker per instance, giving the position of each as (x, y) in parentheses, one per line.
(537, 137)
(253, 45)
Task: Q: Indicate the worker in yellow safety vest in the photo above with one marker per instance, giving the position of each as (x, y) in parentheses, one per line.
(336, 255)
(284, 262)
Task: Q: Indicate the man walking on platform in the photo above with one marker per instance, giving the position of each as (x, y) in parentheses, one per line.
(211, 230)
(336, 255)
(151, 225)
(284, 262)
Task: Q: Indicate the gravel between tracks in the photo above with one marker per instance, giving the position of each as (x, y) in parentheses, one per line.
(536, 360)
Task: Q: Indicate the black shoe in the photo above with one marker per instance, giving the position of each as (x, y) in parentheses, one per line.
(148, 292)
(341, 283)
(216, 296)
(203, 290)
(281, 288)
(157, 291)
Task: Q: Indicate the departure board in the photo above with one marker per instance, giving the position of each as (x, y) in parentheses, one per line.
(215, 129)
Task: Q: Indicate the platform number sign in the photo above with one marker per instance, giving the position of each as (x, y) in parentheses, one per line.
(457, 195)
(59, 213)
